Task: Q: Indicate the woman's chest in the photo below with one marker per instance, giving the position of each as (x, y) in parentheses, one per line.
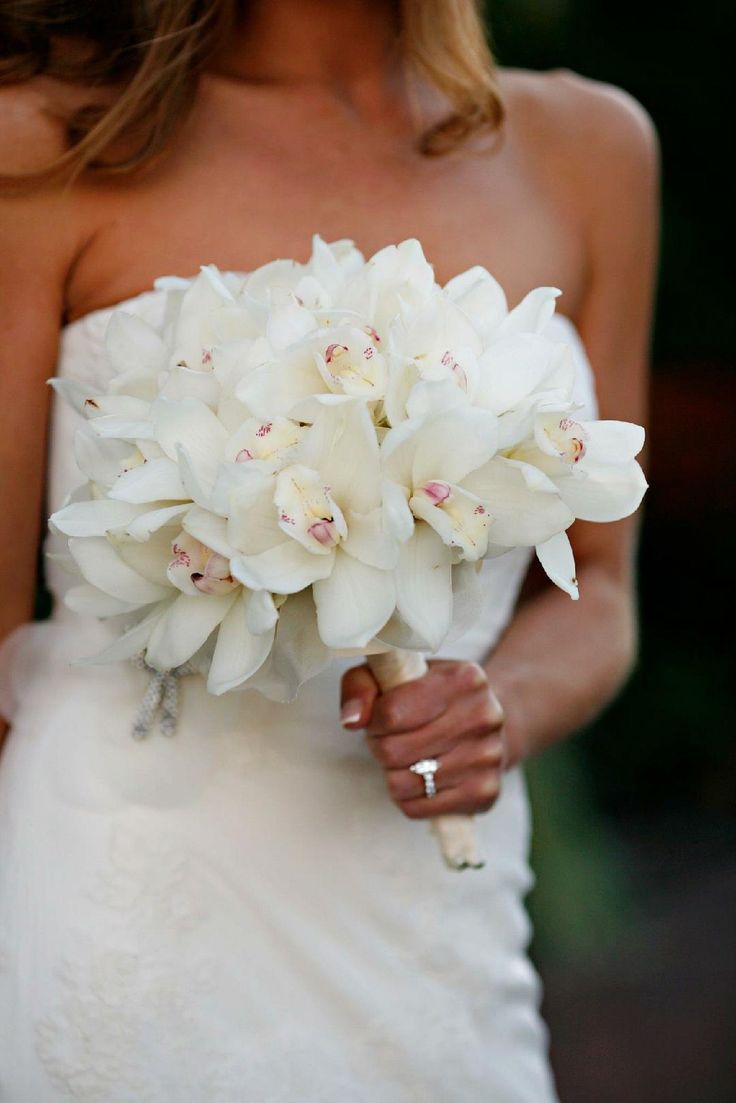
(238, 204)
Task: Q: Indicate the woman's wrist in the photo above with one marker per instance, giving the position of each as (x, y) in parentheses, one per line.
(510, 683)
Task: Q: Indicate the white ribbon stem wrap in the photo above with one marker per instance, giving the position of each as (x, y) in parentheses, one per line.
(456, 833)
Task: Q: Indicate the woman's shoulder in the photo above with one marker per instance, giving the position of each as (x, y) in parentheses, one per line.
(36, 221)
(590, 121)
(33, 129)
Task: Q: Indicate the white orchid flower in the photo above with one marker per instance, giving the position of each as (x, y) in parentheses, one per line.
(521, 375)
(193, 441)
(350, 361)
(476, 502)
(316, 285)
(395, 278)
(180, 444)
(591, 463)
(332, 266)
(430, 460)
(320, 523)
(144, 564)
(195, 330)
(342, 356)
(197, 569)
(433, 344)
(426, 463)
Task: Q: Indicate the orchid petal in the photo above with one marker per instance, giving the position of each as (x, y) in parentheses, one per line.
(424, 586)
(136, 352)
(156, 480)
(193, 335)
(533, 313)
(556, 557)
(398, 519)
(210, 530)
(73, 393)
(276, 388)
(520, 515)
(288, 324)
(101, 565)
(99, 459)
(88, 601)
(142, 527)
(512, 369)
(353, 602)
(398, 449)
(480, 296)
(612, 441)
(191, 425)
(284, 569)
(238, 653)
(131, 643)
(603, 493)
(369, 541)
(427, 399)
(183, 382)
(401, 381)
(450, 446)
(253, 523)
(298, 653)
(122, 406)
(196, 482)
(261, 612)
(149, 557)
(121, 428)
(212, 275)
(93, 518)
(342, 446)
(184, 626)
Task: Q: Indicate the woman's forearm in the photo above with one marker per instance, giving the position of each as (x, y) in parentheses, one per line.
(560, 661)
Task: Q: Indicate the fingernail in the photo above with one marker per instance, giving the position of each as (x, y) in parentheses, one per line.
(351, 711)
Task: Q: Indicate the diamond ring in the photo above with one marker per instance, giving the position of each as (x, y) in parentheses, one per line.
(427, 768)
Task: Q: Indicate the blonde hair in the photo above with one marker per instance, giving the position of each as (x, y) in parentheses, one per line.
(156, 50)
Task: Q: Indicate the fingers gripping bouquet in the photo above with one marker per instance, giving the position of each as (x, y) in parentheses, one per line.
(315, 458)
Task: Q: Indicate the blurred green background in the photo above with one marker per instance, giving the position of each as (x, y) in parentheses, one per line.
(635, 903)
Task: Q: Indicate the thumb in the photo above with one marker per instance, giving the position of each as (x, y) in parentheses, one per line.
(358, 693)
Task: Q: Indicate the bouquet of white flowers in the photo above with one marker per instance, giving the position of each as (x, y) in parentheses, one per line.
(314, 458)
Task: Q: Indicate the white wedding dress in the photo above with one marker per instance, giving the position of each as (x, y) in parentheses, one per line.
(238, 913)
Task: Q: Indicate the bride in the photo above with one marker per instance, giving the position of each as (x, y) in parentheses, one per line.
(241, 913)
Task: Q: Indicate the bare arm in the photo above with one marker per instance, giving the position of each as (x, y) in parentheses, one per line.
(34, 244)
(560, 661)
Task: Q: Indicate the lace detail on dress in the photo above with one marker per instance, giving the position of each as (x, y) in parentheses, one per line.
(131, 1004)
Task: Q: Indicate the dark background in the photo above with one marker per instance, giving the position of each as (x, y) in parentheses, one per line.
(635, 903)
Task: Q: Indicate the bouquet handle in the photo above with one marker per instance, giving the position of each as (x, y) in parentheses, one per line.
(455, 833)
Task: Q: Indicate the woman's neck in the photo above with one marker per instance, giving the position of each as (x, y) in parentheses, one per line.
(343, 45)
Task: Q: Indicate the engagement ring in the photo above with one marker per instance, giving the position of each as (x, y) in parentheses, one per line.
(427, 768)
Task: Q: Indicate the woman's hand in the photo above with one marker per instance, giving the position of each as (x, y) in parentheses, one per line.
(450, 714)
